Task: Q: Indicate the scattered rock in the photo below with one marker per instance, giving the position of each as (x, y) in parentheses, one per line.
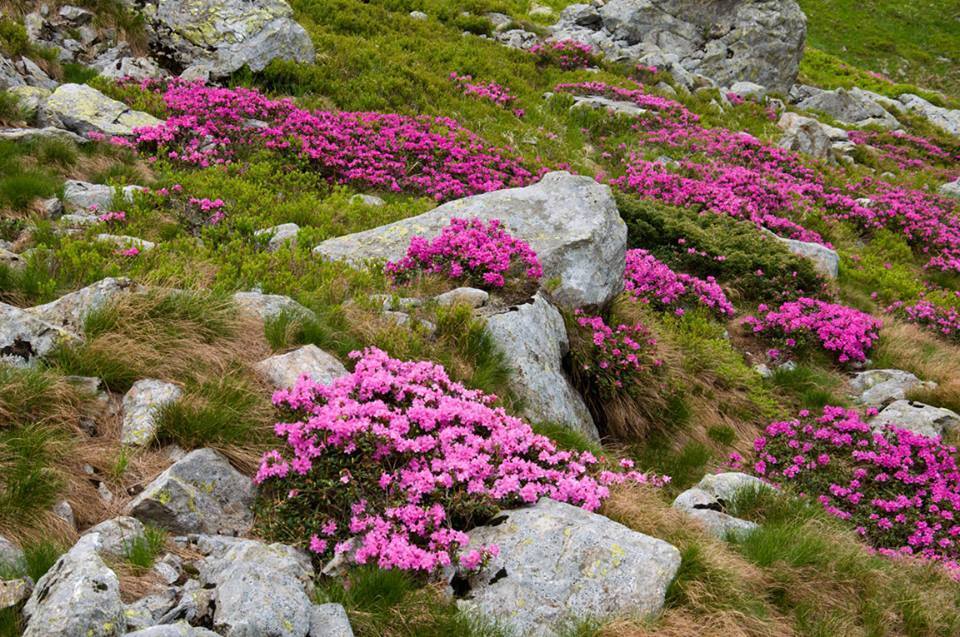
(10, 554)
(200, 493)
(947, 119)
(725, 486)
(269, 306)
(879, 387)
(850, 108)
(571, 222)
(83, 109)
(30, 99)
(12, 260)
(517, 38)
(534, 339)
(704, 508)
(598, 102)
(825, 261)
(951, 189)
(71, 310)
(64, 511)
(283, 370)
(124, 242)
(118, 62)
(329, 620)
(46, 132)
(14, 591)
(180, 629)
(278, 236)
(24, 338)
(418, 15)
(748, 90)
(805, 135)
(114, 536)
(367, 200)
(141, 405)
(471, 297)
(919, 418)
(559, 561)
(214, 38)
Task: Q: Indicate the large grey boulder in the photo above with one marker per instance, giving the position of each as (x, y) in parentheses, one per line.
(919, 418)
(728, 41)
(79, 595)
(71, 310)
(559, 562)
(260, 589)
(45, 132)
(945, 118)
(570, 221)
(24, 338)
(200, 493)
(851, 108)
(141, 406)
(214, 38)
(879, 387)
(119, 62)
(804, 135)
(825, 260)
(268, 306)
(283, 370)
(534, 339)
(83, 109)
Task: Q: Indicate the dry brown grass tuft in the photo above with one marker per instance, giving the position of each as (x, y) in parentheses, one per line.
(909, 347)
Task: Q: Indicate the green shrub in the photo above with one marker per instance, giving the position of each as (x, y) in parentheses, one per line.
(142, 551)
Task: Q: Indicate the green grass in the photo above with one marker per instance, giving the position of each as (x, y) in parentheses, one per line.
(30, 483)
(807, 386)
(142, 551)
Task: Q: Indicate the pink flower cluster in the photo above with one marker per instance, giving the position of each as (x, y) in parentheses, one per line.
(208, 206)
(908, 151)
(480, 253)
(616, 357)
(649, 280)
(899, 489)
(846, 332)
(944, 320)
(114, 216)
(567, 54)
(430, 155)
(490, 91)
(389, 464)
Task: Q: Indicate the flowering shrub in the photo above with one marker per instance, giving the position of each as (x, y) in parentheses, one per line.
(567, 54)
(480, 253)
(490, 91)
(649, 280)
(900, 490)
(616, 357)
(945, 320)
(842, 330)
(430, 155)
(114, 216)
(392, 463)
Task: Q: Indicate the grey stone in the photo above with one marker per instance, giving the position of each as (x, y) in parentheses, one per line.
(418, 15)
(45, 132)
(517, 38)
(119, 62)
(24, 338)
(114, 536)
(33, 75)
(83, 109)
(404, 319)
(367, 200)
(124, 242)
(500, 21)
(329, 620)
(200, 493)
(947, 119)
(83, 195)
(10, 553)
(64, 511)
(9, 74)
(850, 108)
(261, 589)
(279, 236)
(79, 595)
(598, 102)
(76, 16)
(180, 629)
(879, 387)
(141, 406)
(30, 99)
(951, 189)
(748, 90)
(283, 370)
(214, 38)
(805, 135)
(704, 508)
(919, 418)
(71, 310)
(463, 296)
(571, 222)
(269, 306)
(725, 486)
(534, 339)
(12, 260)
(195, 605)
(825, 260)
(148, 611)
(14, 591)
(559, 562)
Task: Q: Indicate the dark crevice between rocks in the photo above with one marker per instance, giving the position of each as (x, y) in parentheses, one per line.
(19, 348)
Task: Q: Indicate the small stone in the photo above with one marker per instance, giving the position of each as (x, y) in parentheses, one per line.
(126, 243)
(64, 511)
(329, 620)
(748, 90)
(705, 509)
(12, 592)
(951, 189)
(285, 233)
(283, 370)
(141, 406)
(418, 15)
(11, 260)
(10, 554)
(471, 297)
(880, 387)
(367, 200)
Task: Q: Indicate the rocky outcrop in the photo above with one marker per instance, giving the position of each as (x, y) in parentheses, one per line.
(268, 306)
(850, 107)
(283, 370)
(880, 387)
(917, 417)
(558, 562)
(571, 222)
(825, 260)
(83, 109)
(200, 493)
(214, 38)
(71, 310)
(724, 40)
(707, 503)
(85, 197)
(24, 338)
(945, 118)
(807, 135)
(533, 338)
(141, 406)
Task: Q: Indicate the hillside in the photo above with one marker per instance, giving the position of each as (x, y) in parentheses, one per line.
(413, 318)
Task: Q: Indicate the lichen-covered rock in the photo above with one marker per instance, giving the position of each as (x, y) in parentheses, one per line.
(30, 99)
(24, 338)
(559, 562)
(945, 118)
(471, 297)
(919, 418)
(112, 537)
(805, 135)
(85, 196)
(214, 38)
(124, 242)
(598, 102)
(879, 387)
(71, 310)
(278, 236)
(13, 591)
(850, 108)
(10, 553)
(283, 370)
(79, 595)
(725, 40)
(119, 62)
(83, 109)
(268, 306)
(200, 493)
(534, 339)
(261, 589)
(141, 406)
(329, 620)
(705, 509)
(825, 260)
(570, 221)
(725, 486)
(180, 629)
(46, 132)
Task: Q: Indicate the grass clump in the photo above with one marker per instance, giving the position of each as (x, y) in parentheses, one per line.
(141, 552)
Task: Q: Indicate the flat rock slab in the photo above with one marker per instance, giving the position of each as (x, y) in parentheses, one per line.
(919, 418)
(880, 387)
(825, 260)
(71, 310)
(571, 222)
(83, 109)
(558, 562)
(269, 306)
(283, 370)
